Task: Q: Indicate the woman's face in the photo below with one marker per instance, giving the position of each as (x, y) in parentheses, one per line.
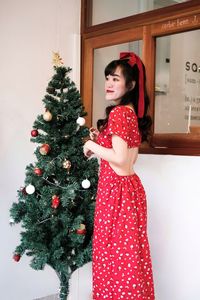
(115, 86)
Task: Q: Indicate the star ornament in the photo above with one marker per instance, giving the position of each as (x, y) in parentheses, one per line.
(57, 60)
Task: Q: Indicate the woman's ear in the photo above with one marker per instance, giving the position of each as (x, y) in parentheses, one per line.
(131, 85)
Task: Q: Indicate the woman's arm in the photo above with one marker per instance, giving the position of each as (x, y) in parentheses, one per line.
(116, 155)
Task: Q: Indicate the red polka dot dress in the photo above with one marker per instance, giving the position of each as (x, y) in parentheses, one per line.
(121, 258)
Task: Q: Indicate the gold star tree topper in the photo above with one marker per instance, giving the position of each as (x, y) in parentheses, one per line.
(57, 60)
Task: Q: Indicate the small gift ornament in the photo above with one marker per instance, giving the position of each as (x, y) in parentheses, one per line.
(23, 190)
(81, 229)
(55, 201)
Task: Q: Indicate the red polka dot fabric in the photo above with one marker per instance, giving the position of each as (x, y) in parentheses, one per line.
(122, 122)
(121, 258)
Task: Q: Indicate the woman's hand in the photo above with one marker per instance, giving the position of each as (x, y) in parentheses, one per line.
(94, 133)
(87, 152)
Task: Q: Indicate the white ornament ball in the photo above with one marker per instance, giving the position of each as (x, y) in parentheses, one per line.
(30, 189)
(80, 121)
(85, 183)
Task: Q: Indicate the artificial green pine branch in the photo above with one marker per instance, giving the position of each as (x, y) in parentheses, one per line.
(54, 208)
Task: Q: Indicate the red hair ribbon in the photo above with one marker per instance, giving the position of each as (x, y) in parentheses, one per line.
(132, 60)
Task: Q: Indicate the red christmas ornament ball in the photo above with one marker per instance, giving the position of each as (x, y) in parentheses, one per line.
(44, 149)
(16, 257)
(81, 229)
(55, 201)
(38, 171)
(34, 132)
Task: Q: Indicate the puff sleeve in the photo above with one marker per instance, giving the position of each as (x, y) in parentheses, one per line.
(118, 123)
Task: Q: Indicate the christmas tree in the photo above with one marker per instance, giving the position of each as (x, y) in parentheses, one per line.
(56, 203)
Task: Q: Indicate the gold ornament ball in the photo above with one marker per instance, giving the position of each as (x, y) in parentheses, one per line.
(47, 116)
(67, 164)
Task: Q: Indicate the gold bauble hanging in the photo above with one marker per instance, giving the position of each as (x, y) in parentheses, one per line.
(67, 165)
(47, 116)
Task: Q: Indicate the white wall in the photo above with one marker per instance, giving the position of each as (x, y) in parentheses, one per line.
(29, 31)
(172, 187)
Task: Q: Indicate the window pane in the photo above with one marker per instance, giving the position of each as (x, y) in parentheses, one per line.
(102, 57)
(177, 100)
(109, 10)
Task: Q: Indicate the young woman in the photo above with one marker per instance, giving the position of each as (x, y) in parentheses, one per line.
(121, 258)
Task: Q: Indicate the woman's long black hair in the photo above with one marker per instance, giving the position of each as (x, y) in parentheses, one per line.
(131, 97)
